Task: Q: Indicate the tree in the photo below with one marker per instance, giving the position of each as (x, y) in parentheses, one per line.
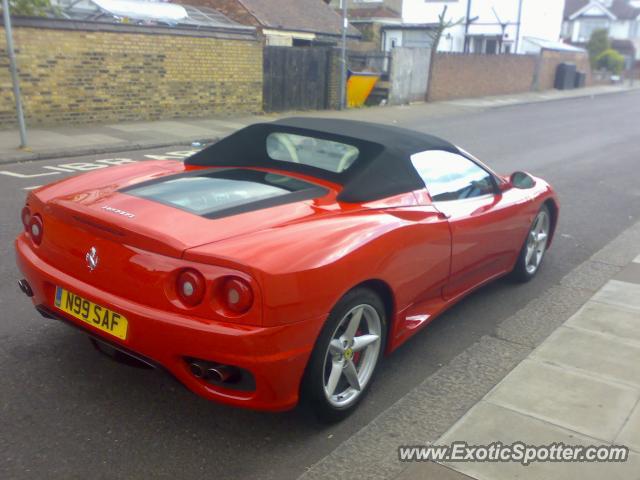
(29, 8)
(436, 35)
(611, 61)
(598, 43)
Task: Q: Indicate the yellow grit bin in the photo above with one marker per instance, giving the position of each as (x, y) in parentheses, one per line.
(359, 87)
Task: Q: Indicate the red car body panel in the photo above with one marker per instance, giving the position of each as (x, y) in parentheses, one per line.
(299, 259)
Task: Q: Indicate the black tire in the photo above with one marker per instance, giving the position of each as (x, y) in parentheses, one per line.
(313, 387)
(520, 272)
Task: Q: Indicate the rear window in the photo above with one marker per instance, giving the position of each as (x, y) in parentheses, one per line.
(315, 152)
(226, 192)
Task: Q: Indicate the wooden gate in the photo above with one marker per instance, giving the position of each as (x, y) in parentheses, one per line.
(295, 78)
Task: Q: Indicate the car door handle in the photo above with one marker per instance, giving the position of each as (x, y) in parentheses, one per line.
(444, 215)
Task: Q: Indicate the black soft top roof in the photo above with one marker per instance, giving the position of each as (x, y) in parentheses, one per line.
(382, 169)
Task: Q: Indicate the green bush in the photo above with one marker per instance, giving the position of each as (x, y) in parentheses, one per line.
(29, 8)
(598, 43)
(610, 60)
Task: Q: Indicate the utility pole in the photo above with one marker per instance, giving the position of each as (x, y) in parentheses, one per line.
(518, 27)
(343, 57)
(14, 73)
(466, 27)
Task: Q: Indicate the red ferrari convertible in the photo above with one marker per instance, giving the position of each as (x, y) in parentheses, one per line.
(283, 261)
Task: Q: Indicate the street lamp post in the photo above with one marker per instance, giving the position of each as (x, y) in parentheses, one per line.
(343, 57)
(14, 73)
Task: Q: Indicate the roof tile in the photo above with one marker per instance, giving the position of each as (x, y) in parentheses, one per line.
(305, 15)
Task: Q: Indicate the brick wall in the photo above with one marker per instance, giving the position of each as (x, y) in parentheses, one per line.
(469, 75)
(549, 61)
(133, 73)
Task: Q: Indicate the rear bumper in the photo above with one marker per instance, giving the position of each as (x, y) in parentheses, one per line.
(275, 356)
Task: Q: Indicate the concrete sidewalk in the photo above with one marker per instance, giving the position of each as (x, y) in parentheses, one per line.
(85, 140)
(58, 142)
(545, 96)
(581, 386)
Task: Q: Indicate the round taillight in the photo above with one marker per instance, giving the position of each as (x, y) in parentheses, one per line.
(237, 295)
(35, 229)
(25, 215)
(190, 287)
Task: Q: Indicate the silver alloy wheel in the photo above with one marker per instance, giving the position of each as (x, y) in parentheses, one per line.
(537, 242)
(352, 355)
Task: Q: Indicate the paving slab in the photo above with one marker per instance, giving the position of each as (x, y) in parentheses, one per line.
(421, 416)
(227, 124)
(630, 433)
(616, 292)
(141, 135)
(631, 273)
(487, 422)
(608, 319)
(623, 249)
(609, 357)
(46, 139)
(177, 129)
(92, 139)
(430, 471)
(568, 398)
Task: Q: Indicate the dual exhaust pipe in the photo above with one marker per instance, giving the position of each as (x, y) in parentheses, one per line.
(215, 372)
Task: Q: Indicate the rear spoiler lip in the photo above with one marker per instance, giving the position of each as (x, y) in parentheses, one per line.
(143, 238)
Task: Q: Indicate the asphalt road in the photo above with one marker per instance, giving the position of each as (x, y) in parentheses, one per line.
(66, 412)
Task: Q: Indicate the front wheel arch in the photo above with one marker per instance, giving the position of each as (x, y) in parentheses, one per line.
(552, 206)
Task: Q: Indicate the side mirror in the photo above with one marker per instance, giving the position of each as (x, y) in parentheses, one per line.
(518, 179)
(522, 180)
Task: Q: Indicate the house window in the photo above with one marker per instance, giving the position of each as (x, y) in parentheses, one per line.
(590, 25)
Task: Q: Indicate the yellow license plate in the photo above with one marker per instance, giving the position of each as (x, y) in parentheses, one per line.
(100, 317)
